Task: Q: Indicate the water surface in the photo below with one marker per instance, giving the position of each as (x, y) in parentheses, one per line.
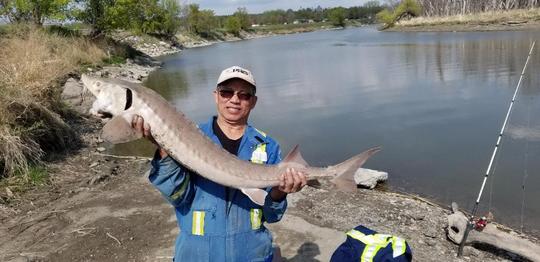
(434, 101)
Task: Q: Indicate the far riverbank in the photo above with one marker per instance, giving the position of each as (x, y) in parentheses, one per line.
(487, 21)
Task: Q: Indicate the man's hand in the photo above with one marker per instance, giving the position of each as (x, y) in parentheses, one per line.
(138, 124)
(289, 182)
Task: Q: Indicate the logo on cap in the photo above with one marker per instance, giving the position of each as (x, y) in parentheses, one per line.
(236, 72)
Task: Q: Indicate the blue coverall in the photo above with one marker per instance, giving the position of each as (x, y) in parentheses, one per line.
(212, 228)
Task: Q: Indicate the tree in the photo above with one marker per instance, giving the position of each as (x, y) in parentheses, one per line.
(92, 12)
(407, 8)
(171, 19)
(201, 22)
(232, 25)
(337, 16)
(140, 16)
(192, 17)
(206, 22)
(243, 18)
(35, 11)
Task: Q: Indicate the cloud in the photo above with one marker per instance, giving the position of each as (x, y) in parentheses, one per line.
(526, 133)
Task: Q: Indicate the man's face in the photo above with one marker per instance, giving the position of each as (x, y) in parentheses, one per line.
(234, 100)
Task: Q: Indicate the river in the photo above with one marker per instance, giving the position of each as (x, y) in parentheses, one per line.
(435, 102)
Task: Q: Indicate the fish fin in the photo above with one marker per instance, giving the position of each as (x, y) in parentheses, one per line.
(345, 170)
(258, 196)
(118, 130)
(294, 156)
(314, 183)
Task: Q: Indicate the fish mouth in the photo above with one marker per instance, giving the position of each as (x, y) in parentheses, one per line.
(104, 115)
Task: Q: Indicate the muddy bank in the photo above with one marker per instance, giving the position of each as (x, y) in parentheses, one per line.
(99, 207)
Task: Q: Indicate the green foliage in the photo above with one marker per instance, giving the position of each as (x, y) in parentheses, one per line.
(243, 18)
(406, 8)
(115, 60)
(337, 16)
(232, 25)
(171, 22)
(273, 17)
(192, 17)
(38, 175)
(139, 16)
(93, 13)
(365, 14)
(201, 22)
(35, 176)
(34, 11)
(385, 17)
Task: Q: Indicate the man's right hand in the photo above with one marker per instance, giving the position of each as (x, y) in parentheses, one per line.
(138, 124)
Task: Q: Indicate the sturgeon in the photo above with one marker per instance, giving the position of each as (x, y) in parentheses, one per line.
(121, 100)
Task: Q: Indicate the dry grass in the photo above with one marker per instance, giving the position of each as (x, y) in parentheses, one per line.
(519, 15)
(30, 64)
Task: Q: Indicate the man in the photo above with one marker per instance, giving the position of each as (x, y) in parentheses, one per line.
(218, 223)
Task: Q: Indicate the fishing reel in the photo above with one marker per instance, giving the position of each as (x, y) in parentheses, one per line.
(480, 223)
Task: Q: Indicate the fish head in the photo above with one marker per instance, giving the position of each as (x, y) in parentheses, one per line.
(112, 97)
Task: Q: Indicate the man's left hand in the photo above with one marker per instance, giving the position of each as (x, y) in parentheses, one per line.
(290, 181)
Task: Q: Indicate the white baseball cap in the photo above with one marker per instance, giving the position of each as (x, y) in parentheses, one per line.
(236, 72)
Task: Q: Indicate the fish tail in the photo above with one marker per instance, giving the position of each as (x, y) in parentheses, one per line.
(345, 170)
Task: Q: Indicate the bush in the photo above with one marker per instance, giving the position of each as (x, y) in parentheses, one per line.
(337, 16)
(407, 8)
(232, 25)
(31, 63)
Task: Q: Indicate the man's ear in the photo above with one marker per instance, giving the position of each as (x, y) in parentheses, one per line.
(216, 96)
(254, 102)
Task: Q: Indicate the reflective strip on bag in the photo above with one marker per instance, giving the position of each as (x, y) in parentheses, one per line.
(398, 246)
(259, 156)
(370, 251)
(197, 227)
(373, 243)
(255, 216)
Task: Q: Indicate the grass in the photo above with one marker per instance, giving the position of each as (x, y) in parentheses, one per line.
(491, 17)
(32, 64)
(36, 176)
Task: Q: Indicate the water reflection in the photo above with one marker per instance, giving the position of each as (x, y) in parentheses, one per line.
(434, 101)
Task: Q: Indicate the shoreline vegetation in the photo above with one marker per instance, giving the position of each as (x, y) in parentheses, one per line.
(522, 19)
(459, 15)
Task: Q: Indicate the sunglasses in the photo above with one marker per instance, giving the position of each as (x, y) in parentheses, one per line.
(228, 94)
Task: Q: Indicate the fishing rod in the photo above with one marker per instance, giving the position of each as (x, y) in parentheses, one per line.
(470, 225)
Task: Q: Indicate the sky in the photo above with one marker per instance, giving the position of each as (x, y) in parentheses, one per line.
(227, 7)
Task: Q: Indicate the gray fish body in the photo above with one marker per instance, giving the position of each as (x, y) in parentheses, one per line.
(183, 140)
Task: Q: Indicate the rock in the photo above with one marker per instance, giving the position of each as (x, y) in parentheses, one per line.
(431, 242)
(418, 216)
(9, 193)
(368, 178)
(470, 251)
(100, 149)
(72, 89)
(430, 232)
